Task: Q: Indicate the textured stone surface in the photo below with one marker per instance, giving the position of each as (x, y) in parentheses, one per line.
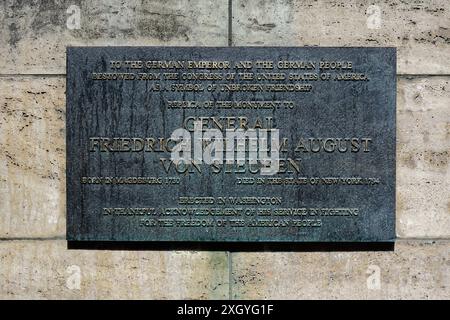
(32, 157)
(32, 179)
(47, 270)
(419, 29)
(423, 153)
(34, 34)
(415, 269)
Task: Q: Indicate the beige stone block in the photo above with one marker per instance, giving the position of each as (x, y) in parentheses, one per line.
(48, 270)
(416, 269)
(419, 29)
(32, 157)
(34, 35)
(423, 153)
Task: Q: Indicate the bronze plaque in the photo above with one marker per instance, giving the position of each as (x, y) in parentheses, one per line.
(238, 144)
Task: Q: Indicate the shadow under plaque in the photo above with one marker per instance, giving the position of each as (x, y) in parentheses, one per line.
(233, 247)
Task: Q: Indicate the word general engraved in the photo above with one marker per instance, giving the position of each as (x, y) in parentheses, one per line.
(231, 144)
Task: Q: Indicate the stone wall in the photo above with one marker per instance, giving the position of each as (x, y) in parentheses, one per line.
(34, 259)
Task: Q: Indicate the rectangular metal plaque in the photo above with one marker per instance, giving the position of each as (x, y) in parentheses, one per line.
(245, 144)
